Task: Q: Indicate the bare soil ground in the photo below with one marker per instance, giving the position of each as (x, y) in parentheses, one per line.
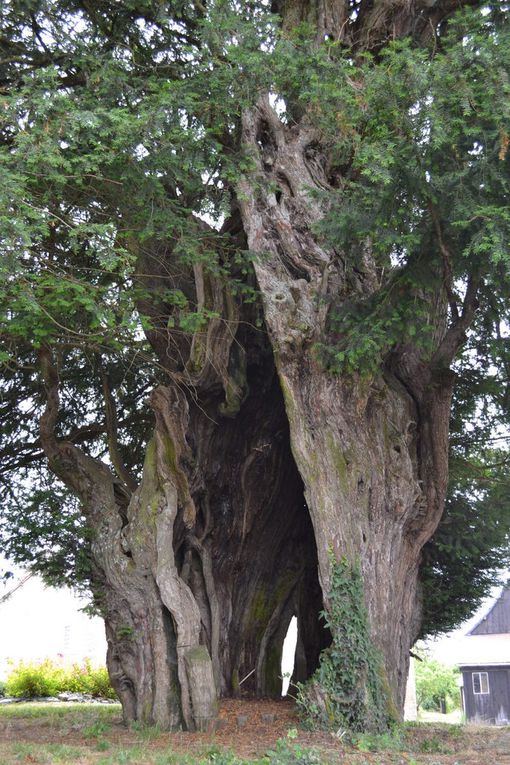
(94, 735)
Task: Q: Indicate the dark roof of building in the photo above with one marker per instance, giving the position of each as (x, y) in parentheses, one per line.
(497, 620)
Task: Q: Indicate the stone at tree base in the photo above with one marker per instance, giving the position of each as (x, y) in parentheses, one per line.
(204, 699)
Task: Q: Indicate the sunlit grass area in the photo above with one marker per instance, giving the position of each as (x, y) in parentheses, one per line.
(105, 754)
(62, 710)
(93, 734)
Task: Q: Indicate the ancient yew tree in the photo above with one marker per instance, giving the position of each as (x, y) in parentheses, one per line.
(247, 251)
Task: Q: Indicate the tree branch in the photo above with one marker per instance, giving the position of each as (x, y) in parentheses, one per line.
(79, 472)
(112, 434)
(456, 334)
(49, 417)
(447, 264)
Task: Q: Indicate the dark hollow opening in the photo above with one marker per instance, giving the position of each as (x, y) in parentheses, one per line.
(259, 538)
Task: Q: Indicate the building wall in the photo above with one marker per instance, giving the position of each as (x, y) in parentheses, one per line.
(492, 707)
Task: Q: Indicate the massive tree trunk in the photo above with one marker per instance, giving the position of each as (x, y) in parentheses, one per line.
(372, 452)
(199, 570)
(265, 470)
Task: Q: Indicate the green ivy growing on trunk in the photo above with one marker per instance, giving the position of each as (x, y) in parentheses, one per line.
(347, 690)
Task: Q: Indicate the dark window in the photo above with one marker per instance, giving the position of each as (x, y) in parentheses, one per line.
(480, 682)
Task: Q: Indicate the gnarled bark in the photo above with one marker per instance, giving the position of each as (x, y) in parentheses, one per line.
(372, 452)
(204, 563)
(212, 553)
(152, 619)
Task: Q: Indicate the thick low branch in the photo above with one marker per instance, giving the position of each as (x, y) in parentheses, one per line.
(81, 473)
(48, 420)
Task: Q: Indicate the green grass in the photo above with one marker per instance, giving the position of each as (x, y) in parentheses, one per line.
(146, 732)
(124, 756)
(380, 742)
(47, 754)
(102, 745)
(98, 728)
(62, 754)
(93, 735)
(63, 710)
(89, 721)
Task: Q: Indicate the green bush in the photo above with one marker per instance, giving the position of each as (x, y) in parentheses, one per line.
(29, 679)
(436, 686)
(85, 678)
(379, 742)
(48, 679)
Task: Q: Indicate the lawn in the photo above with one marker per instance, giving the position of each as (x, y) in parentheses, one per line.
(262, 732)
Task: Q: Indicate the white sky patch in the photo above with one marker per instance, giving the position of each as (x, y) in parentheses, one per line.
(289, 654)
(40, 622)
(451, 648)
(140, 152)
(279, 105)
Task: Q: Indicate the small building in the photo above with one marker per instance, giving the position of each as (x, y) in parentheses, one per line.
(485, 666)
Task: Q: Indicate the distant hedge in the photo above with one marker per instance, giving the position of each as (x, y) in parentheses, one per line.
(48, 678)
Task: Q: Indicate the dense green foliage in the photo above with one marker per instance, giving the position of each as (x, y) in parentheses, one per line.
(121, 131)
(470, 546)
(472, 542)
(437, 688)
(96, 165)
(347, 691)
(421, 143)
(28, 679)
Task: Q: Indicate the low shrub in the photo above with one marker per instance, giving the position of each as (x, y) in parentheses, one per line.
(28, 679)
(86, 678)
(391, 741)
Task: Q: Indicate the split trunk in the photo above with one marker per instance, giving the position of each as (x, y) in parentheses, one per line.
(264, 468)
